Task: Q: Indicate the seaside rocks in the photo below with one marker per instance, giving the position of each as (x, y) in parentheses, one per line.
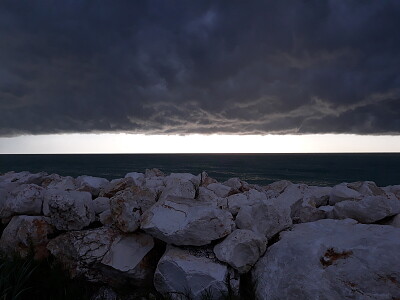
(91, 184)
(331, 259)
(182, 221)
(368, 210)
(26, 234)
(342, 192)
(182, 272)
(55, 181)
(68, 210)
(180, 185)
(26, 199)
(241, 249)
(263, 218)
(106, 255)
(128, 205)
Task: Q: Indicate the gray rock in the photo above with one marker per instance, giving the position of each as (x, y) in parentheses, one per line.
(241, 249)
(55, 181)
(181, 272)
(68, 210)
(26, 199)
(91, 184)
(177, 187)
(26, 235)
(182, 221)
(331, 259)
(101, 204)
(342, 192)
(264, 218)
(368, 210)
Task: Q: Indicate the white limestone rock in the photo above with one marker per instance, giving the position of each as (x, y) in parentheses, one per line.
(220, 189)
(26, 234)
(264, 218)
(91, 184)
(183, 221)
(177, 187)
(155, 184)
(26, 199)
(182, 271)
(116, 185)
(68, 210)
(395, 189)
(105, 218)
(182, 177)
(395, 221)
(251, 197)
(205, 180)
(151, 173)
(105, 255)
(55, 181)
(331, 259)
(366, 188)
(101, 204)
(276, 188)
(342, 192)
(138, 178)
(241, 249)
(369, 209)
(22, 178)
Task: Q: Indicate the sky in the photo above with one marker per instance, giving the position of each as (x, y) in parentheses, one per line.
(310, 76)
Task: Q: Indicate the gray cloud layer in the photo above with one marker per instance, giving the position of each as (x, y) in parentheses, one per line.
(200, 66)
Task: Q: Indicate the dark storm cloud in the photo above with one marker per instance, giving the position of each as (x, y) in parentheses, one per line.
(200, 67)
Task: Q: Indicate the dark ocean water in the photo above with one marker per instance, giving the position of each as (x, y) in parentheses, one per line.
(312, 169)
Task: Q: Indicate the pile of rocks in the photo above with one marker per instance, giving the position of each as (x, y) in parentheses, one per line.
(191, 235)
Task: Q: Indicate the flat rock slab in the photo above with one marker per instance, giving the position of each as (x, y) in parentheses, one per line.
(331, 259)
(182, 221)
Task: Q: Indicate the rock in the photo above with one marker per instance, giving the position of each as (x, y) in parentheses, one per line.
(251, 197)
(206, 195)
(276, 188)
(25, 235)
(138, 178)
(182, 177)
(55, 181)
(105, 218)
(68, 210)
(177, 187)
(105, 255)
(395, 221)
(26, 199)
(183, 272)
(331, 259)
(264, 218)
(395, 189)
(128, 205)
(205, 180)
(183, 221)
(153, 173)
(101, 204)
(91, 184)
(22, 178)
(105, 293)
(342, 192)
(220, 190)
(328, 210)
(302, 212)
(115, 186)
(241, 249)
(368, 210)
(155, 184)
(366, 188)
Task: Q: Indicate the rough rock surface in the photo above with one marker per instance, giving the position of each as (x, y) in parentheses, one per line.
(331, 259)
(101, 204)
(26, 199)
(181, 272)
(26, 234)
(369, 209)
(115, 186)
(182, 221)
(264, 219)
(177, 187)
(91, 184)
(128, 205)
(248, 198)
(68, 210)
(55, 181)
(342, 192)
(241, 249)
(104, 254)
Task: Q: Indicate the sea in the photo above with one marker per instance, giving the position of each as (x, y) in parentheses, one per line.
(312, 169)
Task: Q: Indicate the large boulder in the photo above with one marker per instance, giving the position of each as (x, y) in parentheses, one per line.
(117, 185)
(241, 249)
(248, 198)
(188, 273)
(26, 235)
(179, 186)
(105, 255)
(22, 178)
(369, 209)
(342, 192)
(91, 184)
(128, 205)
(26, 199)
(264, 218)
(138, 178)
(68, 210)
(101, 204)
(331, 259)
(220, 189)
(183, 221)
(55, 181)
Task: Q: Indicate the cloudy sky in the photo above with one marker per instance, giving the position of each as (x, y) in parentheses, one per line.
(199, 67)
